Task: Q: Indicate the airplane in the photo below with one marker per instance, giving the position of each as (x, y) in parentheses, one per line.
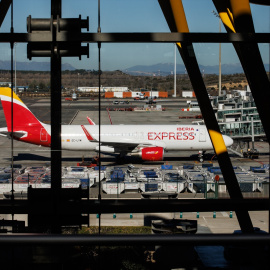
(146, 141)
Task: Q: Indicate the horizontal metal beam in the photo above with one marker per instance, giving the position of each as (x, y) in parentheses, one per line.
(136, 37)
(135, 206)
(150, 239)
(260, 2)
(173, 37)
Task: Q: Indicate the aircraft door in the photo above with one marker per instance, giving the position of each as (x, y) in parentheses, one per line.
(139, 135)
(43, 135)
(202, 135)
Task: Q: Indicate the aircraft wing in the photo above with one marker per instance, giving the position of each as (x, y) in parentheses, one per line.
(130, 145)
(3, 132)
(123, 144)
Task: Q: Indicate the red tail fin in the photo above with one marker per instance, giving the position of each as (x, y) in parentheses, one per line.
(23, 119)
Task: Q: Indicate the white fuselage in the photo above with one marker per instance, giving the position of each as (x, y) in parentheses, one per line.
(170, 137)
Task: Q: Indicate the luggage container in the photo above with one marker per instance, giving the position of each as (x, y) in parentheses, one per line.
(75, 170)
(113, 188)
(84, 182)
(199, 186)
(265, 179)
(70, 183)
(102, 168)
(95, 175)
(247, 186)
(252, 168)
(117, 176)
(151, 187)
(195, 175)
(40, 168)
(131, 187)
(27, 178)
(44, 185)
(259, 170)
(259, 186)
(207, 165)
(166, 167)
(19, 187)
(173, 176)
(216, 171)
(5, 187)
(265, 166)
(46, 179)
(190, 187)
(188, 166)
(177, 187)
(5, 178)
(211, 169)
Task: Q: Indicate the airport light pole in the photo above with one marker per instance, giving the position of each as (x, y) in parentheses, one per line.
(219, 64)
(15, 68)
(252, 132)
(174, 95)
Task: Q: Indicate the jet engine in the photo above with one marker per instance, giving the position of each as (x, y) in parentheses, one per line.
(152, 153)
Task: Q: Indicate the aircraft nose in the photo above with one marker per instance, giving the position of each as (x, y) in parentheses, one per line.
(228, 141)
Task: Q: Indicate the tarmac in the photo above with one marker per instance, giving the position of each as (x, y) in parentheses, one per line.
(76, 113)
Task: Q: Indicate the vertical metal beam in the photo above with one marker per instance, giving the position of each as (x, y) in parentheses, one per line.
(242, 15)
(219, 62)
(236, 17)
(174, 9)
(4, 6)
(56, 152)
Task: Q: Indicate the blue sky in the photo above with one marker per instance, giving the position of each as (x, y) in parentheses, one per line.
(133, 16)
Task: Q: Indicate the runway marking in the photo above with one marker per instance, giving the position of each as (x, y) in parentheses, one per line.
(224, 214)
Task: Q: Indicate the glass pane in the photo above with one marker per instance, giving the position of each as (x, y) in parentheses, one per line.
(154, 144)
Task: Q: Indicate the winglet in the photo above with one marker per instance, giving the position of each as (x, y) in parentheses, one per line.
(90, 121)
(88, 135)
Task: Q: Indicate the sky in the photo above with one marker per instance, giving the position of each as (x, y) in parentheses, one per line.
(133, 16)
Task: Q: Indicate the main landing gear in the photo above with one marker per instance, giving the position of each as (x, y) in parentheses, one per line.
(200, 156)
(120, 159)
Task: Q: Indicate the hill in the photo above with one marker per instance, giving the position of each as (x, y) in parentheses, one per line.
(40, 80)
(165, 69)
(32, 66)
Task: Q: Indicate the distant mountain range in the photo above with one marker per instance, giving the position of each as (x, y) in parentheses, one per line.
(32, 66)
(164, 69)
(161, 69)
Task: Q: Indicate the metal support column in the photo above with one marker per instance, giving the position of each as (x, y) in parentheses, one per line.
(56, 153)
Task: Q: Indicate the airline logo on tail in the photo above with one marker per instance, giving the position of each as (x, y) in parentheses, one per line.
(26, 126)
